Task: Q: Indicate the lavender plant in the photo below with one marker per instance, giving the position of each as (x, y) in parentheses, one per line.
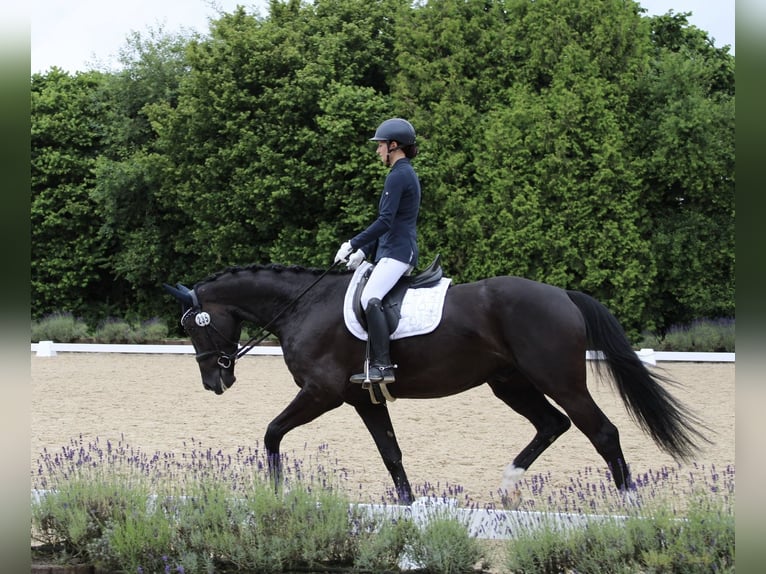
(121, 509)
(382, 546)
(203, 510)
(444, 546)
(59, 327)
(702, 335)
(673, 520)
(121, 331)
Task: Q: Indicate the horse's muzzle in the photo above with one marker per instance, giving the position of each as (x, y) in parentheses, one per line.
(219, 382)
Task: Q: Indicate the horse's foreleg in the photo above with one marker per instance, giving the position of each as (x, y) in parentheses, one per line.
(378, 422)
(304, 408)
(275, 467)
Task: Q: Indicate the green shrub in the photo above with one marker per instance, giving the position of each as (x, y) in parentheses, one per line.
(542, 551)
(119, 331)
(205, 511)
(649, 540)
(444, 546)
(703, 336)
(122, 510)
(84, 511)
(380, 544)
(150, 331)
(64, 328)
(267, 531)
(137, 540)
(114, 331)
(59, 327)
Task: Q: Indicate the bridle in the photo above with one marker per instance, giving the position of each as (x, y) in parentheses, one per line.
(203, 319)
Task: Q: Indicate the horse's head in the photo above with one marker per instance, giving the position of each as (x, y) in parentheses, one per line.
(214, 332)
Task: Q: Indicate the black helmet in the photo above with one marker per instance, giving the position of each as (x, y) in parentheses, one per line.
(395, 129)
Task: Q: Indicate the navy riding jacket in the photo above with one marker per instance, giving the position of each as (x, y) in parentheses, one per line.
(394, 233)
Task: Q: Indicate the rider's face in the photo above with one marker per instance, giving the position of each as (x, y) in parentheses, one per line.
(382, 151)
(389, 152)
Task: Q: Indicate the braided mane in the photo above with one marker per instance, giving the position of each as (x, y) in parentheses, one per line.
(277, 267)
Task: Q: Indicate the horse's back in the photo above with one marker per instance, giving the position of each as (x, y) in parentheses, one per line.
(520, 311)
(510, 290)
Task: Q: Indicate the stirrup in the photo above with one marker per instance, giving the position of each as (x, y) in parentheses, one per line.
(375, 374)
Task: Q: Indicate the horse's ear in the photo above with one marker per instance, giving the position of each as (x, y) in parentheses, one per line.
(183, 296)
(182, 287)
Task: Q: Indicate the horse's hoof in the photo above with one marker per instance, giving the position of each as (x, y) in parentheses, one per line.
(511, 500)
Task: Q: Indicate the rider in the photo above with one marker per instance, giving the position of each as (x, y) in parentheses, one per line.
(391, 240)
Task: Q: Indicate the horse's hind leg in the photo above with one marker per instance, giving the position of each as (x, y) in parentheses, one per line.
(548, 421)
(378, 422)
(565, 382)
(594, 424)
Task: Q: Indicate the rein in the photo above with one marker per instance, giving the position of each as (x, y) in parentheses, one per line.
(226, 361)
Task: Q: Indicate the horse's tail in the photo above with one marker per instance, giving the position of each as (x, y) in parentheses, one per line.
(672, 426)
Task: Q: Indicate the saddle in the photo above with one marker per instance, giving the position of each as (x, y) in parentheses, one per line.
(392, 302)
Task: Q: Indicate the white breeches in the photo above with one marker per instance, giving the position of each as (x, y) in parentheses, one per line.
(384, 276)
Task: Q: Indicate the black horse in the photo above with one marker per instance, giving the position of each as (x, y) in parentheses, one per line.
(526, 340)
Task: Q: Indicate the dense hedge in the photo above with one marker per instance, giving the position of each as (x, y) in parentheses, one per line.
(583, 144)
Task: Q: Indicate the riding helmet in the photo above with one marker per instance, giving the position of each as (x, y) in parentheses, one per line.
(395, 129)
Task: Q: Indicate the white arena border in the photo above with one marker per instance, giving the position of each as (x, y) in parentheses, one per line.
(50, 348)
(484, 523)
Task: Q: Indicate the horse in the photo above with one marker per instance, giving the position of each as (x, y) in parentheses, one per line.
(526, 339)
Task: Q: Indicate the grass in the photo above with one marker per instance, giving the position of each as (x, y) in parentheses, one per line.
(201, 511)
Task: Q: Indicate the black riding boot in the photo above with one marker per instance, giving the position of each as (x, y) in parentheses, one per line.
(381, 369)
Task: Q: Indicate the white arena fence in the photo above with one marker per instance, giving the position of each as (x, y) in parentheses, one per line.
(50, 349)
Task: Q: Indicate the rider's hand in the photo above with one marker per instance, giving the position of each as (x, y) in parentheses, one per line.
(344, 251)
(356, 259)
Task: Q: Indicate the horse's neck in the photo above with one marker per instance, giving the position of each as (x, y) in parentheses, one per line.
(264, 294)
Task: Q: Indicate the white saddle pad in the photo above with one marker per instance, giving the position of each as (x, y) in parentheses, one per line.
(421, 308)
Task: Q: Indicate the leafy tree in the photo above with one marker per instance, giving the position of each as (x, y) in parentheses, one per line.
(532, 173)
(69, 260)
(260, 163)
(581, 144)
(685, 139)
(140, 223)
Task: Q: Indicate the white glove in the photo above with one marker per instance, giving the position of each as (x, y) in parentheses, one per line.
(344, 251)
(356, 259)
